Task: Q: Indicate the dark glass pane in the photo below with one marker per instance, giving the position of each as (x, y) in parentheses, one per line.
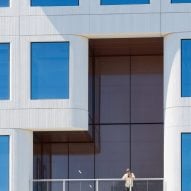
(114, 90)
(186, 68)
(121, 2)
(54, 2)
(50, 161)
(186, 164)
(146, 89)
(113, 156)
(147, 150)
(4, 71)
(37, 157)
(78, 185)
(52, 61)
(111, 185)
(4, 163)
(59, 161)
(81, 160)
(91, 90)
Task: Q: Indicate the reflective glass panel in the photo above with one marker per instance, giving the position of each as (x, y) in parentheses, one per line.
(186, 161)
(113, 156)
(112, 88)
(50, 70)
(54, 2)
(4, 71)
(180, 1)
(81, 160)
(147, 150)
(186, 68)
(122, 2)
(146, 89)
(4, 163)
(4, 3)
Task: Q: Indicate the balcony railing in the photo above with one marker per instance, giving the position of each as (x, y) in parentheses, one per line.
(140, 184)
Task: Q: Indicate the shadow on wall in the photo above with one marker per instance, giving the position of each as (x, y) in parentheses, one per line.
(63, 20)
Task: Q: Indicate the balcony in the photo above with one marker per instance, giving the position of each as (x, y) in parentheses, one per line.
(140, 184)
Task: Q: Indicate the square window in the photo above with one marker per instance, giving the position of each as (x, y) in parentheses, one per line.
(50, 70)
(54, 2)
(186, 68)
(123, 2)
(4, 162)
(186, 161)
(4, 70)
(4, 3)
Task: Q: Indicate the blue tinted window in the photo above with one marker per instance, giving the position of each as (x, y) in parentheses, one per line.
(180, 1)
(54, 2)
(186, 161)
(50, 70)
(186, 68)
(4, 163)
(4, 71)
(123, 2)
(4, 3)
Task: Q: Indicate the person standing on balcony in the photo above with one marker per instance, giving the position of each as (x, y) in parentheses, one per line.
(129, 177)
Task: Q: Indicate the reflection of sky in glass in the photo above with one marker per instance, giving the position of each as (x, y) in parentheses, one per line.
(4, 163)
(4, 71)
(180, 1)
(186, 68)
(4, 3)
(54, 2)
(50, 70)
(186, 162)
(120, 2)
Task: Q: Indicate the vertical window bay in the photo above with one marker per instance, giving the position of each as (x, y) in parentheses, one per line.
(4, 163)
(4, 70)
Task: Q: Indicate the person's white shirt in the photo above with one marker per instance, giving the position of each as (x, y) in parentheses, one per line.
(129, 178)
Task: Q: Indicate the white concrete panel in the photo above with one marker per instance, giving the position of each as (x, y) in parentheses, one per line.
(45, 119)
(27, 9)
(48, 25)
(175, 22)
(12, 10)
(178, 117)
(172, 71)
(21, 158)
(96, 8)
(128, 24)
(78, 73)
(13, 102)
(172, 159)
(22, 112)
(177, 111)
(167, 6)
(9, 26)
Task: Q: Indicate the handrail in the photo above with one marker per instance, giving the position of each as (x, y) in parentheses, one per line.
(99, 179)
(46, 184)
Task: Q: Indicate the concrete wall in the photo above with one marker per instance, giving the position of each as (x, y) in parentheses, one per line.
(20, 24)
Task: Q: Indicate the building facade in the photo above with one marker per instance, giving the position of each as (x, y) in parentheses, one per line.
(89, 88)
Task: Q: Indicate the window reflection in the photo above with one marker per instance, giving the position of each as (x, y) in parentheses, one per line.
(146, 89)
(114, 89)
(114, 155)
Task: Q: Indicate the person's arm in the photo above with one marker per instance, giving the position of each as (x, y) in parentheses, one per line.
(124, 177)
(133, 176)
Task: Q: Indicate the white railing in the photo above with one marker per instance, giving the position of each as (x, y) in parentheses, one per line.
(140, 184)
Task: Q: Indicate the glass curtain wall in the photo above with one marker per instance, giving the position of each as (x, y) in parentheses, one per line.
(125, 119)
